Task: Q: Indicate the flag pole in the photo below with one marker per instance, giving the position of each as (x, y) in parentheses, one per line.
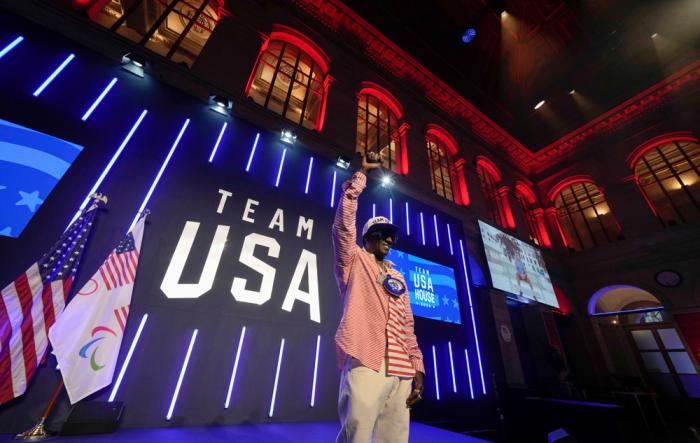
(38, 432)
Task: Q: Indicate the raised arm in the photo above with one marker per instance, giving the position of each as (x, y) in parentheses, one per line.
(344, 229)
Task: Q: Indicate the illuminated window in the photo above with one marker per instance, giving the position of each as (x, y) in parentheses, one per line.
(533, 214)
(489, 177)
(175, 29)
(668, 174)
(290, 78)
(440, 166)
(379, 126)
(584, 217)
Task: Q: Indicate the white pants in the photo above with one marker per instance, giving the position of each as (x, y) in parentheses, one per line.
(372, 404)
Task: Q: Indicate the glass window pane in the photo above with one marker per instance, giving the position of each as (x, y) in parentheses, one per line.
(644, 339)
(682, 362)
(670, 338)
(654, 362)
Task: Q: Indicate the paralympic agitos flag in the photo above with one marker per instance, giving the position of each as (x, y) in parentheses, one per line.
(86, 338)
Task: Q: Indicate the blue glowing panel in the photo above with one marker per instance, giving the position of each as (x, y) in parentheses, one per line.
(431, 286)
(31, 163)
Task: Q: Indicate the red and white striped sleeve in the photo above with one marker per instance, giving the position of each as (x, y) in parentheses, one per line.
(414, 352)
(344, 226)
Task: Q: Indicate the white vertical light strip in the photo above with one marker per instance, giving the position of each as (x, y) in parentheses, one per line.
(11, 46)
(449, 237)
(469, 374)
(218, 140)
(53, 75)
(277, 376)
(471, 310)
(313, 385)
(279, 169)
(182, 375)
(437, 235)
(374, 209)
(252, 152)
(452, 368)
(125, 365)
(437, 385)
(308, 174)
(408, 221)
(116, 155)
(235, 368)
(391, 210)
(99, 99)
(422, 228)
(160, 173)
(335, 176)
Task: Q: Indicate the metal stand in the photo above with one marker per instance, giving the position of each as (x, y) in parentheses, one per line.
(38, 432)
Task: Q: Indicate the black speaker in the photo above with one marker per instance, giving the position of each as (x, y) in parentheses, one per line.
(93, 417)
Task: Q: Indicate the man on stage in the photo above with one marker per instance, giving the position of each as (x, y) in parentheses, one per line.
(376, 345)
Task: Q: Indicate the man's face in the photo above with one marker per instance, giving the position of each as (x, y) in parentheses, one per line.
(380, 243)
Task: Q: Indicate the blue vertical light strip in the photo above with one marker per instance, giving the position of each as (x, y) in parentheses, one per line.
(471, 310)
(422, 228)
(437, 235)
(374, 209)
(408, 221)
(391, 210)
(452, 368)
(107, 168)
(279, 168)
(99, 99)
(335, 176)
(252, 152)
(11, 46)
(53, 75)
(235, 368)
(449, 237)
(218, 140)
(160, 173)
(437, 385)
(125, 365)
(277, 376)
(469, 374)
(182, 375)
(308, 174)
(313, 385)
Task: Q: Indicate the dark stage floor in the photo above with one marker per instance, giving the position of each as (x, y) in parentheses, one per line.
(316, 432)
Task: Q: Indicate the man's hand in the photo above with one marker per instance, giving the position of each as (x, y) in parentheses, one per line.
(375, 160)
(417, 393)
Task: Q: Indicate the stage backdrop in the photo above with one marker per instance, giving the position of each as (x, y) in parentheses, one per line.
(235, 273)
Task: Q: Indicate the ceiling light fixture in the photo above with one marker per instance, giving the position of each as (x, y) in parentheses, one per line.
(654, 35)
(572, 92)
(469, 35)
(539, 105)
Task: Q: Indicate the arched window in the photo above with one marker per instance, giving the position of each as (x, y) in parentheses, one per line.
(291, 78)
(446, 170)
(583, 214)
(495, 196)
(379, 126)
(667, 171)
(533, 214)
(177, 30)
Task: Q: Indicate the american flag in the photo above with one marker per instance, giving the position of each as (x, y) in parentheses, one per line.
(30, 305)
(120, 267)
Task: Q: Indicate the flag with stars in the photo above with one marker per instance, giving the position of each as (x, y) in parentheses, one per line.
(86, 338)
(30, 305)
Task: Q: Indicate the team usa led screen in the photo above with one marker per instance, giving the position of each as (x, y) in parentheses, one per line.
(431, 286)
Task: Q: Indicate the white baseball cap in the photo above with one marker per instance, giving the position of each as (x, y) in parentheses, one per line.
(381, 224)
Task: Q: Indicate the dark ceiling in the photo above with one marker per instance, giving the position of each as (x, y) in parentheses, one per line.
(542, 49)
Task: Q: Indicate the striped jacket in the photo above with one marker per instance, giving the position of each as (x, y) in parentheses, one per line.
(362, 330)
